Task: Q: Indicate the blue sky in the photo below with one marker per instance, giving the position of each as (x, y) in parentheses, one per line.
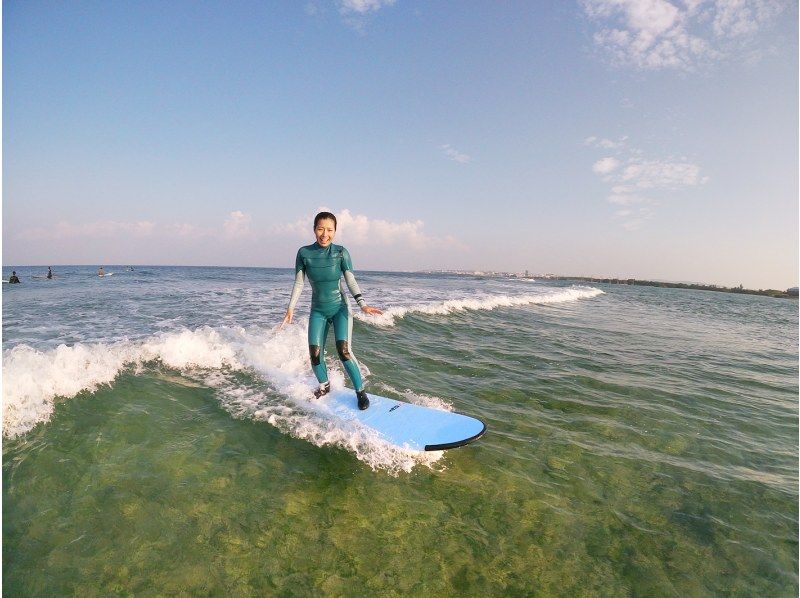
(645, 138)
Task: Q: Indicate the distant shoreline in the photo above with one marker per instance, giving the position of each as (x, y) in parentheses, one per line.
(681, 285)
(787, 294)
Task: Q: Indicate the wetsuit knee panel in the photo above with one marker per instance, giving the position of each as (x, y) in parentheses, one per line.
(343, 350)
(313, 351)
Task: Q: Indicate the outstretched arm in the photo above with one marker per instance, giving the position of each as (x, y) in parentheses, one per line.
(299, 280)
(350, 279)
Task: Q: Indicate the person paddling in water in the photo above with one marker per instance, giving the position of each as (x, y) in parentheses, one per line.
(324, 264)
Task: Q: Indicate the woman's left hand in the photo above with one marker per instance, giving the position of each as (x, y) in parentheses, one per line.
(373, 311)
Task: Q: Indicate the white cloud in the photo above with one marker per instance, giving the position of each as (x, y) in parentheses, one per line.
(363, 6)
(237, 225)
(654, 17)
(638, 181)
(605, 166)
(622, 189)
(453, 154)
(605, 143)
(656, 34)
(356, 13)
(186, 230)
(353, 229)
(634, 219)
(361, 230)
(662, 174)
(299, 228)
(737, 18)
(628, 199)
(358, 229)
(103, 229)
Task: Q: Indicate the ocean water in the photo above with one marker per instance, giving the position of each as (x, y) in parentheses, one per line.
(158, 439)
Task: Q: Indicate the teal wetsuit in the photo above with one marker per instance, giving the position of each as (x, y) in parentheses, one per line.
(324, 267)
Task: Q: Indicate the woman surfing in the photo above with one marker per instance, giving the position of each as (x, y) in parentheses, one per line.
(324, 264)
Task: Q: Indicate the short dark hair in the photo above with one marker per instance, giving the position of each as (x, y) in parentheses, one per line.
(324, 216)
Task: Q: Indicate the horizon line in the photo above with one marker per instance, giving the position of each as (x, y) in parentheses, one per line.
(425, 271)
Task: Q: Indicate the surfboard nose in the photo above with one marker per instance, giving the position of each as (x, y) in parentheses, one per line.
(462, 431)
(406, 425)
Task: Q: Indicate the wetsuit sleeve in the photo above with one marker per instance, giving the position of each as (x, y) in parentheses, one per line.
(299, 280)
(350, 279)
(353, 286)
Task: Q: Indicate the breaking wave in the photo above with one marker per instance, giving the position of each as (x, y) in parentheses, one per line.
(391, 315)
(278, 391)
(275, 389)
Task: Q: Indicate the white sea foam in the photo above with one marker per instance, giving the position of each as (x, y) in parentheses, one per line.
(420, 399)
(316, 425)
(489, 302)
(32, 379)
(277, 361)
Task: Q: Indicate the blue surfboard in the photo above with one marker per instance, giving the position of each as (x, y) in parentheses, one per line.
(405, 425)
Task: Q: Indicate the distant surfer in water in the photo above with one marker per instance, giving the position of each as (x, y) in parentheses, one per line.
(49, 273)
(101, 272)
(324, 264)
(14, 279)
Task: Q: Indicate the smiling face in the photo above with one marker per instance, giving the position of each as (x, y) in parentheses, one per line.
(325, 231)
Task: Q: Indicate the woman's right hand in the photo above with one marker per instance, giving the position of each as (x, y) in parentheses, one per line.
(287, 319)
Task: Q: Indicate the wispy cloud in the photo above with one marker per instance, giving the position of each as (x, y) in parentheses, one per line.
(238, 230)
(628, 199)
(362, 7)
(356, 13)
(236, 226)
(661, 174)
(634, 219)
(606, 165)
(361, 230)
(312, 9)
(736, 18)
(637, 182)
(185, 230)
(605, 143)
(662, 34)
(453, 154)
(103, 229)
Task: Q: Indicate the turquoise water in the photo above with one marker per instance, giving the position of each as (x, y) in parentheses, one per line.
(641, 441)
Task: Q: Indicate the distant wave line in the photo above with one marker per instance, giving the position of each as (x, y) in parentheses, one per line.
(391, 315)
